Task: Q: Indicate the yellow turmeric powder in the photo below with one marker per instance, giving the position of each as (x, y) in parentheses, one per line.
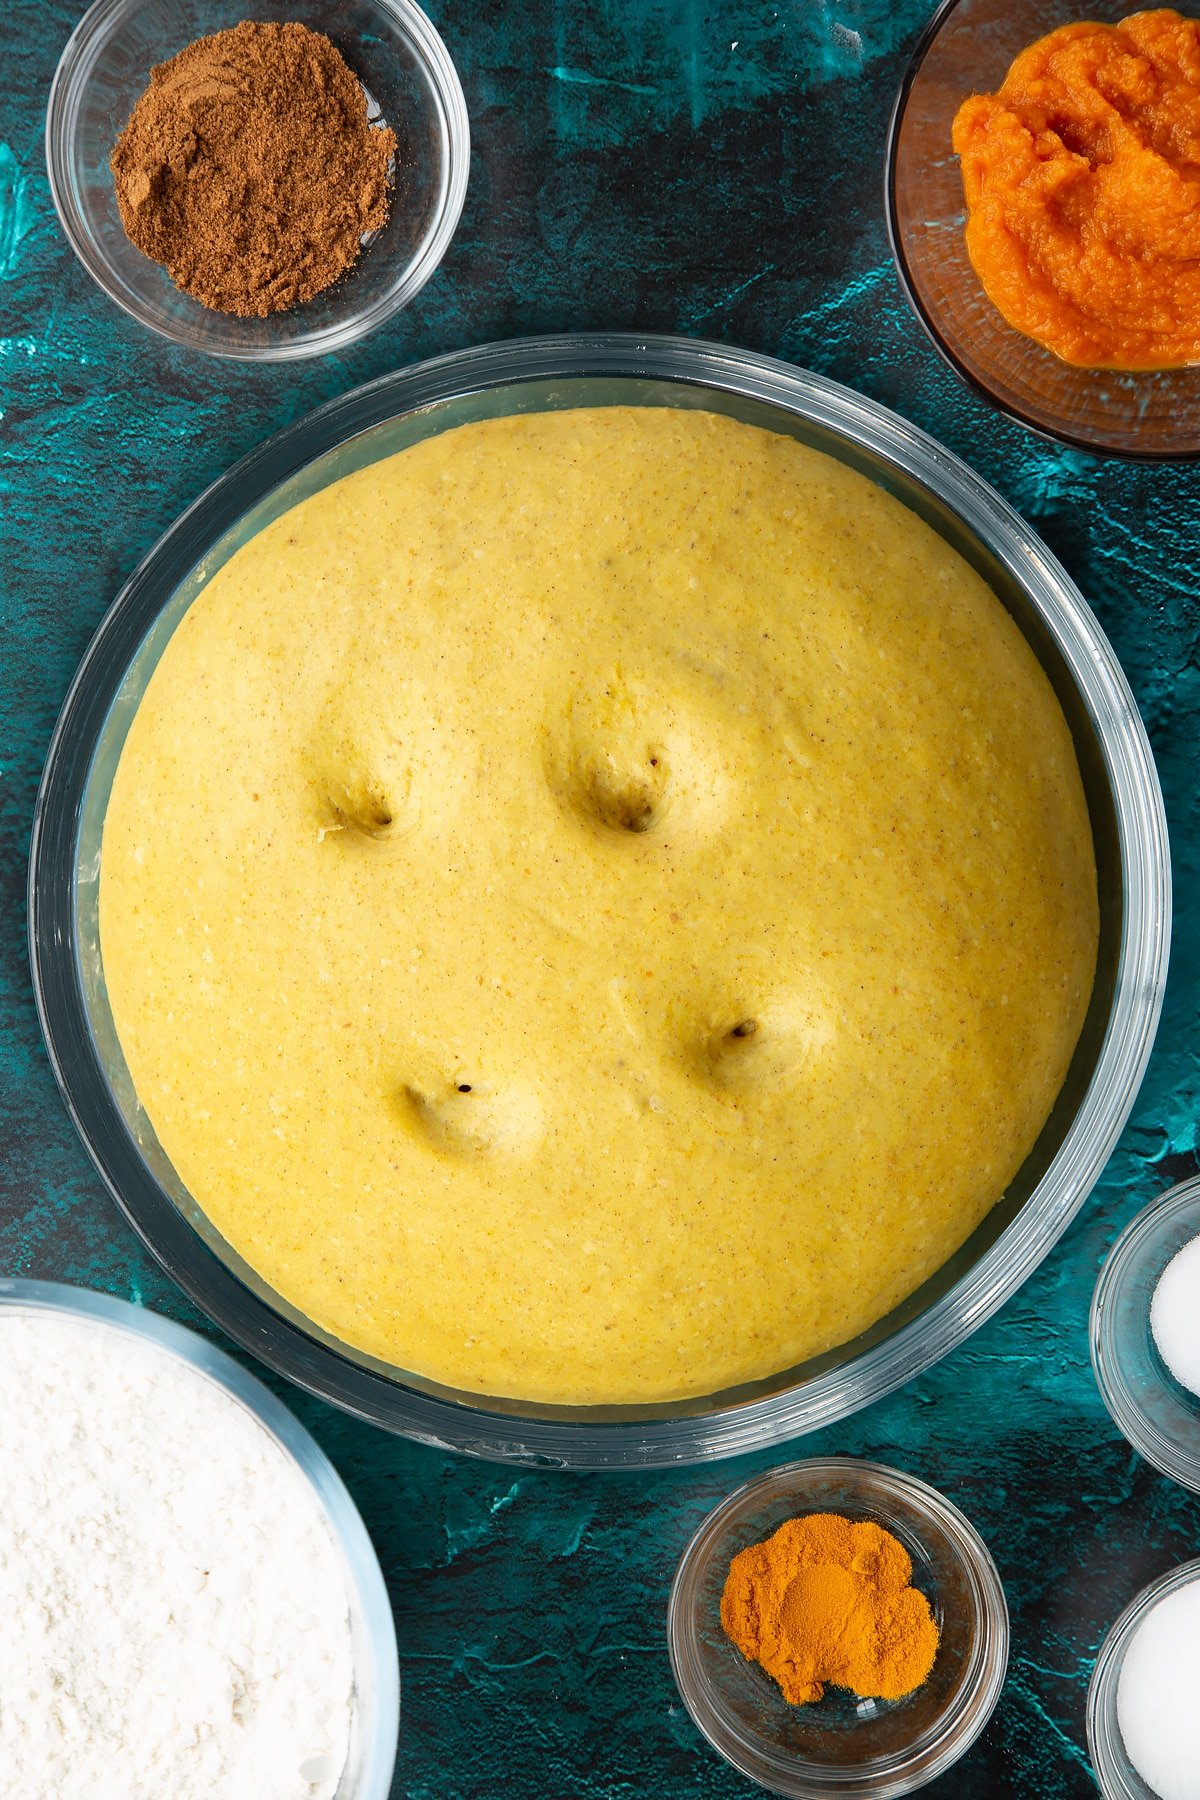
(828, 1600)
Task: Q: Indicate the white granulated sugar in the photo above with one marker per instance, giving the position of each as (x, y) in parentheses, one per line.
(174, 1622)
(1156, 1696)
(1175, 1316)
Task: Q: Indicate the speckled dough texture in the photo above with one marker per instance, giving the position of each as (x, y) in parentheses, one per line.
(598, 906)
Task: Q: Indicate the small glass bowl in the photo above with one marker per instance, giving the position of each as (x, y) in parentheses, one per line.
(1116, 1775)
(408, 76)
(376, 1715)
(967, 48)
(1160, 1418)
(842, 1745)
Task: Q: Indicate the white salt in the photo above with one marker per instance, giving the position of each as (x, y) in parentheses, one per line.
(1175, 1316)
(1156, 1696)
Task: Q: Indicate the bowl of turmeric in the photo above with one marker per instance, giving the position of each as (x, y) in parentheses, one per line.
(1041, 207)
(838, 1627)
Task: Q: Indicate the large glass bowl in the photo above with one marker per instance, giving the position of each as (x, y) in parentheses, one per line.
(375, 1718)
(1118, 772)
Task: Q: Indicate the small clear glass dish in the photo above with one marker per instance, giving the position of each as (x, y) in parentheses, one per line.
(1160, 1418)
(376, 1716)
(1115, 1774)
(408, 76)
(841, 1745)
(966, 48)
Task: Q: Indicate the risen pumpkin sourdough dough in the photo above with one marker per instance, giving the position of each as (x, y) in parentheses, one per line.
(597, 906)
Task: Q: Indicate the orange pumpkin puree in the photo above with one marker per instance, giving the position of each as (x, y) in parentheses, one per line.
(1082, 181)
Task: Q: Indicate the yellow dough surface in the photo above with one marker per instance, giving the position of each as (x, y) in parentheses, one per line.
(597, 906)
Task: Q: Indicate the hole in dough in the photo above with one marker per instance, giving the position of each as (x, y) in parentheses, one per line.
(626, 755)
(625, 796)
(470, 1120)
(763, 1050)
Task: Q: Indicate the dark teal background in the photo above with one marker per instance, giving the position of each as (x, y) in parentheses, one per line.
(655, 165)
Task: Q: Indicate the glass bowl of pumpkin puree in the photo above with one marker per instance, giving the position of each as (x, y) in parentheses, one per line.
(589, 1172)
(1085, 290)
(841, 1742)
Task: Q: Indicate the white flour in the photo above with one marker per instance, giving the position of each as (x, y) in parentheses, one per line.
(173, 1615)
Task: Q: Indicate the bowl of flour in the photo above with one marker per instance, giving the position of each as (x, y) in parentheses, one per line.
(191, 1602)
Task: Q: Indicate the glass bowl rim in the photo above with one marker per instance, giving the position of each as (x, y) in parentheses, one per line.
(1160, 1452)
(971, 1709)
(1101, 1705)
(1145, 925)
(928, 36)
(320, 1477)
(69, 82)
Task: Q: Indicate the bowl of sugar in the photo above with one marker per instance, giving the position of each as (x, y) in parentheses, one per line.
(1145, 1333)
(1143, 1725)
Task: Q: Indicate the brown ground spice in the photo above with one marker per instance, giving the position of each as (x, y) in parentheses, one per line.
(248, 168)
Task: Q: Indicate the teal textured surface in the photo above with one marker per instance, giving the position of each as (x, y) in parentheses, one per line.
(657, 166)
